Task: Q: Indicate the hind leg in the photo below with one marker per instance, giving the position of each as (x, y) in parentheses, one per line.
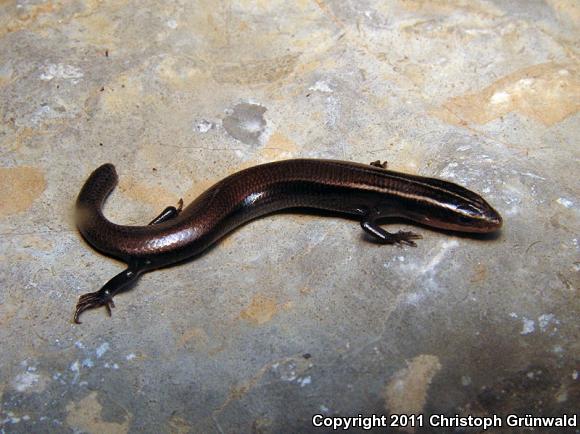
(168, 213)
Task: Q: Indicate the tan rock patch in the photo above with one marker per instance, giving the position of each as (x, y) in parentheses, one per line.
(86, 416)
(19, 186)
(261, 310)
(548, 93)
(406, 391)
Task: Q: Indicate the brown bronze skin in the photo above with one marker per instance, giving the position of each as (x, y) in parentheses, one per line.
(366, 192)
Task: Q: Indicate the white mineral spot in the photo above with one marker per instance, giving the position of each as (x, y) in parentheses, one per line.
(414, 298)
(25, 381)
(533, 175)
(14, 419)
(76, 368)
(172, 24)
(103, 348)
(500, 98)
(130, 356)
(525, 82)
(60, 70)
(445, 246)
(527, 326)
(203, 126)
(304, 381)
(575, 375)
(447, 171)
(465, 380)
(324, 409)
(545, 320)
(564, 72)
(565, 202)
(87, 363)
(321, 86)
(287, 371)
(252, 125)
(40, 113)
(333, 108)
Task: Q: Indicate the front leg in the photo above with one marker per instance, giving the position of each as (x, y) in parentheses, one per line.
(378, 163)
(379, 234)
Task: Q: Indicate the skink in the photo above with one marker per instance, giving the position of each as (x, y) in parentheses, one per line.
(366, 192)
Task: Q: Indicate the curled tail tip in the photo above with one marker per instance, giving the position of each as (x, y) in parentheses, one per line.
(107, 168)
(97, 187)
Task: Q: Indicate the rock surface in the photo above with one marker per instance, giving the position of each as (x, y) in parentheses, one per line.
(291, 315)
